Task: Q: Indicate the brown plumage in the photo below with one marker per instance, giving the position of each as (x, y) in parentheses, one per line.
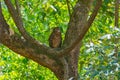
(55, 38)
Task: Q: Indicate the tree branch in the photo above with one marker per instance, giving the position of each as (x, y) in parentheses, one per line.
(83, 29)
(4, 28)
(94, 13)
(18, 21)
(44, 49)
(18, 8)
(39, 54)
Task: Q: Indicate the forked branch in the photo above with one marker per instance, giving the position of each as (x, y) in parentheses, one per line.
(15, 13)
(84, 29)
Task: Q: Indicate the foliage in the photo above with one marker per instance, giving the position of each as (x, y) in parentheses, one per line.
(97, 60)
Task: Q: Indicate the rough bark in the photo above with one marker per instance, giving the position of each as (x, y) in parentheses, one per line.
(64, 61)
(77, 21)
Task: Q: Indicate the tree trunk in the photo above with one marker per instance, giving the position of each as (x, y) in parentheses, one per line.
(77, 22)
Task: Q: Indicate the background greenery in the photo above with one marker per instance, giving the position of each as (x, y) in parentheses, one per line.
(97, 60)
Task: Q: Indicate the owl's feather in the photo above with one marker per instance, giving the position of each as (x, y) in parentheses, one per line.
(55, 38)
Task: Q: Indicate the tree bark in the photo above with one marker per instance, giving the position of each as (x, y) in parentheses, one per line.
(77, 21)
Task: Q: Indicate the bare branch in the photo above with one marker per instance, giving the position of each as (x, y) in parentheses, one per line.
(18, 21)
(83, 29)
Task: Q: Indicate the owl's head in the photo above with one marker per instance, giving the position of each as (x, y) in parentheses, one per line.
(56, 30)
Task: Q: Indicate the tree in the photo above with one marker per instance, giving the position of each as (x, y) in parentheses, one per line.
(63, 61)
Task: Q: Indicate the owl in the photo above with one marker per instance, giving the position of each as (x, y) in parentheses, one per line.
(55, 39)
